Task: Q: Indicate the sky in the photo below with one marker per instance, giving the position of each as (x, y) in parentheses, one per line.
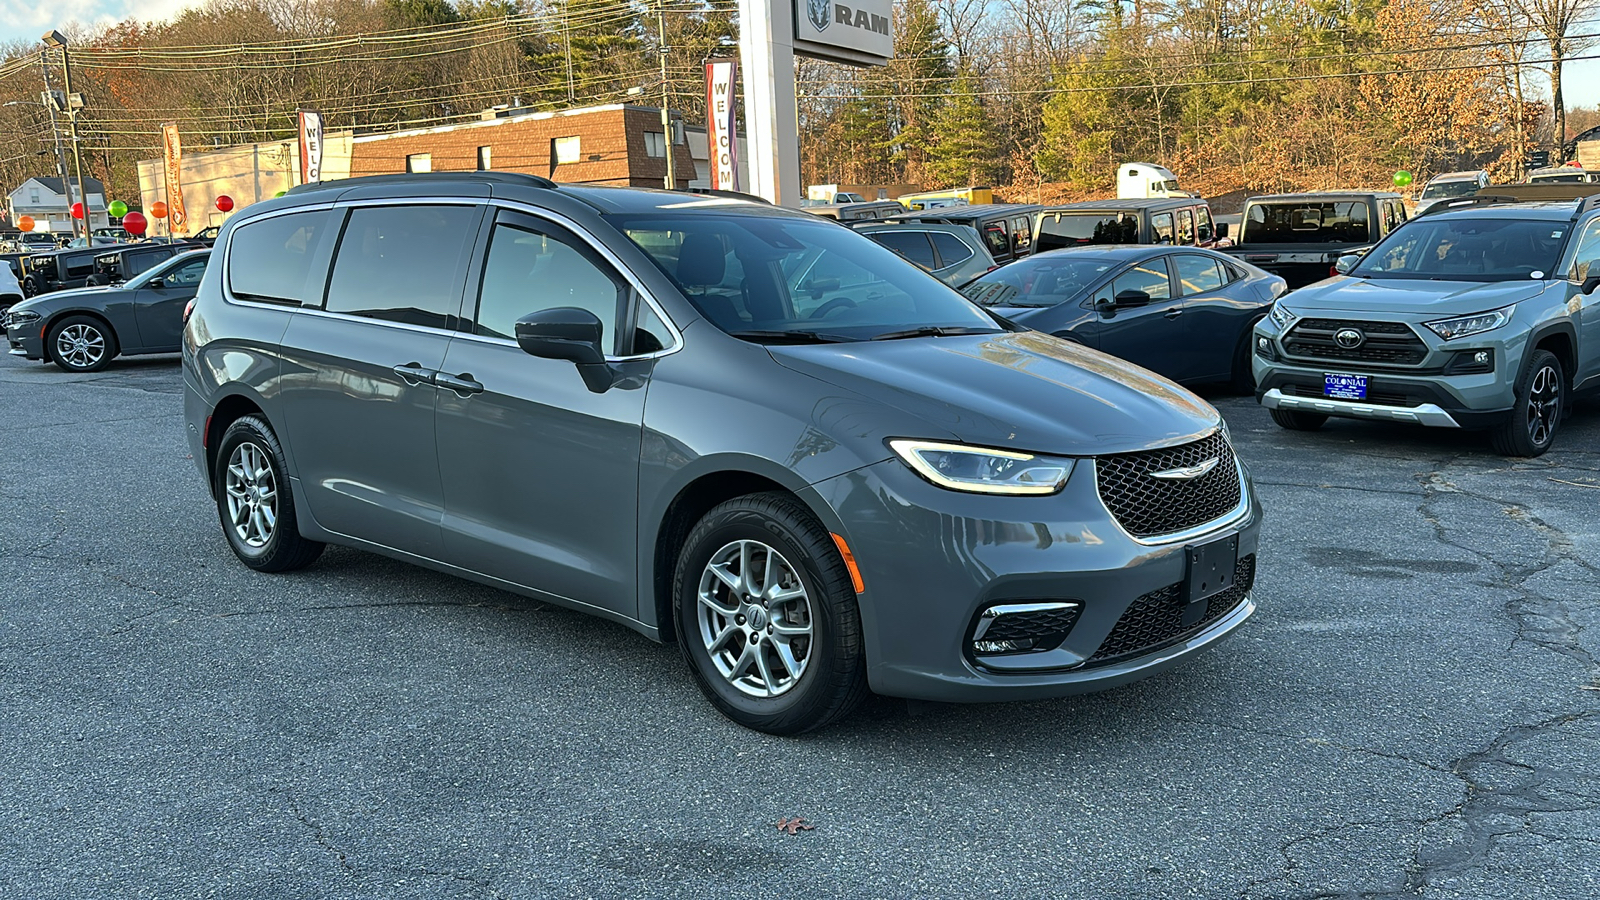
(28, 19)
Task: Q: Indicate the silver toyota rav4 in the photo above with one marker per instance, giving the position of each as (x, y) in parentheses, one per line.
(744, 429)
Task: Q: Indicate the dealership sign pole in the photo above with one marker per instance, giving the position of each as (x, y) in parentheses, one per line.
(771, 33)
(722, 124)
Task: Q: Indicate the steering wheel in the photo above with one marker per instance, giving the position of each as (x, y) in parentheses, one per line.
(831, 305)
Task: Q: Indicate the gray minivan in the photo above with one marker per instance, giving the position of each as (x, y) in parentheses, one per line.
(646, 406)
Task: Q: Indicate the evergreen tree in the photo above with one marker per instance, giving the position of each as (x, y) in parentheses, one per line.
(964, 148)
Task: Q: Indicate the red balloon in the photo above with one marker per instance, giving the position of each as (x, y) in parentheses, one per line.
(158, 209)
(77, 210)
(224, 203)
(134, 223)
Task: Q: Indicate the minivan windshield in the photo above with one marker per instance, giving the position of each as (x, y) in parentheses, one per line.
(1467, 249)
(1441, 189)
(783, 279)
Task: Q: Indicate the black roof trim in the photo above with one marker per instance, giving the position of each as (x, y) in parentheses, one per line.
(513, 178)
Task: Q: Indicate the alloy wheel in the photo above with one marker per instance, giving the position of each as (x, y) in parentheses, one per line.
(252, 495)
(755, 618)
(1544, 405)
(80, 345)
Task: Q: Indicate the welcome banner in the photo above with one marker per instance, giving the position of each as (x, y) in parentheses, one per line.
(722, 132)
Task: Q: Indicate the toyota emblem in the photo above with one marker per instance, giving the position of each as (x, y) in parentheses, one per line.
(1349, 338)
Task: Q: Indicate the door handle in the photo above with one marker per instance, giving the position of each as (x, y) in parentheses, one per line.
(414, 374)
(462, 384)
(1173, 314)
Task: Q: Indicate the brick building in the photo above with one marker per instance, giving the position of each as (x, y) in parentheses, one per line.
(618, 145)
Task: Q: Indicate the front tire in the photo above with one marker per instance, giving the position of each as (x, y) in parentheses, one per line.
(254, 501)
(767, 616)
(80, 344)
(1295, 420)
(1536, 414)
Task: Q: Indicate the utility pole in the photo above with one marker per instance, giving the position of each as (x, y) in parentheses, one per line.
(666, 94)
(48, 99)
(58, 40)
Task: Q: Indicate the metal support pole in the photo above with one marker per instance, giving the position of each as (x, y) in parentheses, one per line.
(55, 133)
(666, 94)
(766, 55)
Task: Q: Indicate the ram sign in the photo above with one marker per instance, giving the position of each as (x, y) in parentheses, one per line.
(856, 32)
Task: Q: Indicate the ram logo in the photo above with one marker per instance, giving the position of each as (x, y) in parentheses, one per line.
(820, 13)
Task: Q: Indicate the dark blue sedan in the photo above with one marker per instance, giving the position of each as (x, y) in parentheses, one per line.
(1182, 312)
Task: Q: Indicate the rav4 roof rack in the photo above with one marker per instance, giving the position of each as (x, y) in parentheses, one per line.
(516, 178)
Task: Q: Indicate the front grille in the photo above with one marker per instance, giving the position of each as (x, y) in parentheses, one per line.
(1146, 506)
(1052, 623)
(1387, 343)
(1156, 619)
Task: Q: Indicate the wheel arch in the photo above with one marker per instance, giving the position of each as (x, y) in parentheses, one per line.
(229, 408)
(1559, 338)
(97, 315)
(715, 483)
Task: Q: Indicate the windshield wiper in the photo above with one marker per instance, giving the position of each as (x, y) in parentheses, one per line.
(932, 331)
(792, 337)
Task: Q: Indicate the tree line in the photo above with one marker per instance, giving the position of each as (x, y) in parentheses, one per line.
(1039, 98)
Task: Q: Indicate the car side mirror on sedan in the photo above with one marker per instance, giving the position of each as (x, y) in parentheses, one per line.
(572, 334)
(1129, 300)
(816, 287)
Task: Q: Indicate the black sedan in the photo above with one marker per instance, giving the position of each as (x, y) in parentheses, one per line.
(1182, 312)
(82, 330)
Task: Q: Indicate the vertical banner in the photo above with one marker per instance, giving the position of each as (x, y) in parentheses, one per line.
(722, 132)
(177, 218)
(310, 146)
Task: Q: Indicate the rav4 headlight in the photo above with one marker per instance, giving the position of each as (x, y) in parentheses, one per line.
(1281, 317)
(981, 470)
(1461, 326)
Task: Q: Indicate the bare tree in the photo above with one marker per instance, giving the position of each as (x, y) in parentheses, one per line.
(1555, 22)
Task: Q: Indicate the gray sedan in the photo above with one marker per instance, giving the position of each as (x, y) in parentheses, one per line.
(82, 330)
(1182, 312)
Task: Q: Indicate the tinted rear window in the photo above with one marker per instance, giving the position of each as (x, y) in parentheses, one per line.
(951, 250)
(1072, 229)
(271, 259)
(402, 263)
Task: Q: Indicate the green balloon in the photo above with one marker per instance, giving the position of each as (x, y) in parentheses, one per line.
(117, 208)
(1402, 178)
(280, 193)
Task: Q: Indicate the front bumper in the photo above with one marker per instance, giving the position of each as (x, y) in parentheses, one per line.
(932, 560)
(25, 341)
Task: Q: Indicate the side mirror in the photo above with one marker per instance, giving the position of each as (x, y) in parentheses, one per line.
(156, 284)
(1345, 263)
(1590, 284)
(1222, 230)
(816, 287)
(571, 334)
(1131, 299)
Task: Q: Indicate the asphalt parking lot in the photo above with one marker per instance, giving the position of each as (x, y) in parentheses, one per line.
(1414, 711)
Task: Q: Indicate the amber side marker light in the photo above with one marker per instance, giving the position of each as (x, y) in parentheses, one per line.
(849, 563)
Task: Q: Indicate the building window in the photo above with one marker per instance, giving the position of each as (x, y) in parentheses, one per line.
(655, 146)
(484, 159)
(566, 150)
(33, 196)
(419, 162)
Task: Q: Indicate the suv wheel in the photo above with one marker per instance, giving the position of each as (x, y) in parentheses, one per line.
(80, 344)
(767, 618)
(1295, 420)
(255, 503)
(1536, 415)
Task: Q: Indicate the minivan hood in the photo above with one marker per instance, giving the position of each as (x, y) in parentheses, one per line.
(1017, 390)
(1407, 295)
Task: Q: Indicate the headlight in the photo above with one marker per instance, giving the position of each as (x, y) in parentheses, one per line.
(1281, 317)
(981, 470)
(1461, 326)
(19, 319)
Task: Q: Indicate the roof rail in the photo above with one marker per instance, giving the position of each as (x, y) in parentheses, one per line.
(516, 178)
(719, 192)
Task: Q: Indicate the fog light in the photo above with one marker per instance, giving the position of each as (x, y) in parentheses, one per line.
(1263, 343)
(1002, 646)
(1264, 348)
(1482, 356)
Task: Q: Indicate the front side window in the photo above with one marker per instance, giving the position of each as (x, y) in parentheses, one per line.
(1198, 274)
(271, 259)
(532, 266)
(772, 278)
(994, 235)
(1041, 280)
(1203, 229)
(1185, 226)
(1584, 261)
(402, 263)
(186, 273)
(1149, 277)
(1467, 249)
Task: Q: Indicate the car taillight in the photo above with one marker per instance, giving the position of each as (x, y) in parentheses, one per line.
(188, 310)
(1332, 271)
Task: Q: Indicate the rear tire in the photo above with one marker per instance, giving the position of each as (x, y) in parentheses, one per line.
(254, 502)
(767, 616)
(1536, 415)
(1295, 420)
